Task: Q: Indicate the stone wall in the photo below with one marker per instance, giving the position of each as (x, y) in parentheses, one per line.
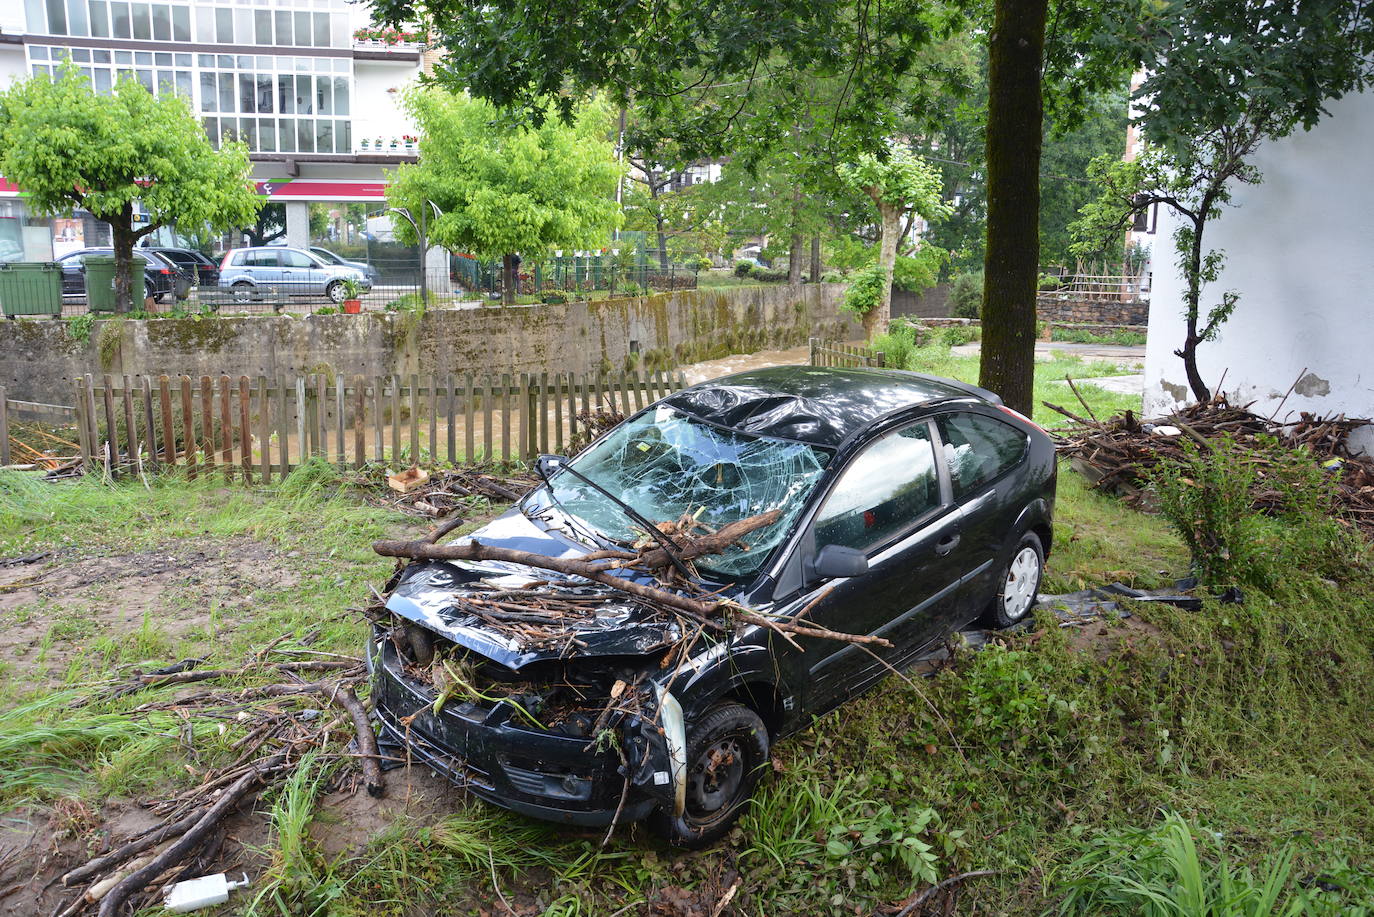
(1053, 308)
(930, 303)
(39, 359)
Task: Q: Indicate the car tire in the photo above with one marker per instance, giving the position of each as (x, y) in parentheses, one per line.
(1019, 584)
(335, 291)
(727, 753)
(242, 291)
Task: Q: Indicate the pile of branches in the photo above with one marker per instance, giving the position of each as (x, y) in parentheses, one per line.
(448, 490)
(282, 720)
(588, 425)
(1117, 454)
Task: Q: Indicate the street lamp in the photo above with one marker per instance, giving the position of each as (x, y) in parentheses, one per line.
(423, 241)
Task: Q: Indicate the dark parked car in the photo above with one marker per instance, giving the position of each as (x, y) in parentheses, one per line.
(909, 506)
(161, 276)
(201, 269)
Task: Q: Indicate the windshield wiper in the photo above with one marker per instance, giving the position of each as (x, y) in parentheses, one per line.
(667, 544)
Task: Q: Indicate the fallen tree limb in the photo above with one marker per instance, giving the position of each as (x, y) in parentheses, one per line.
(940, 886)
(709, 543)
(367, 740)
(132, 849)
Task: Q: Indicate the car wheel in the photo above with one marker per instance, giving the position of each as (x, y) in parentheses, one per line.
(335, 291)
(159, 297)
(1019, 584)
(243, 291)
(726, 755)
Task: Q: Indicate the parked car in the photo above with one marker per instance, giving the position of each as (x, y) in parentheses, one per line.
(251, 272)
(369, 271)
(161, 276)
(909, 506)
(201, 269)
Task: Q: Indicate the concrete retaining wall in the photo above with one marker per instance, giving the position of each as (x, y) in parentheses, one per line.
(38, 359)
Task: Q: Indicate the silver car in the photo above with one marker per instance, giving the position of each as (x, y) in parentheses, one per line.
(251, 273)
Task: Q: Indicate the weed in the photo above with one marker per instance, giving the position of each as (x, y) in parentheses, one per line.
(1120, 336)
(79, 327)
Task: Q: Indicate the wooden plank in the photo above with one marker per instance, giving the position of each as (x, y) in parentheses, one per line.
(451, 395)
(130, 424)
(322, 416)
(83, 427)
(469, 434)
(378, 431)
(188, 426)
(529, 410)
(302, 452)
(572, 408)
(340, 420)
(585, 384)
(207, 422)
(558, 413)
(226, 428)
(637, 382)
(245, 432)
(505, 417)
(149, 425)
(360, 421)
(433, 418)
(545, 438)
(264, 431)
(488, 405)
(4, 428)
(283, 428)
(169, 432)
(396, 421)
(414, 419)
(624, 395)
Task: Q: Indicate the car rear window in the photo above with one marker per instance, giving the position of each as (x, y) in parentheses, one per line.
(885, 489)
(979, 448)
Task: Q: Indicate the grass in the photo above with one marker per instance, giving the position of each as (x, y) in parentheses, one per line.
(1058, 758)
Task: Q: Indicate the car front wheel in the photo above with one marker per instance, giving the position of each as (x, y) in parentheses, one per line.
(335, 291)
(1020, 583)
(727, 752)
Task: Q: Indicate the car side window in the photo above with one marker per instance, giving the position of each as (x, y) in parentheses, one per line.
(884, 489)
(978, 448)
(261, 259)
(296, 259)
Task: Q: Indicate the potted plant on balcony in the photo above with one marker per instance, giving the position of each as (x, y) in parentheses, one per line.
(409, 141)
(352, 290)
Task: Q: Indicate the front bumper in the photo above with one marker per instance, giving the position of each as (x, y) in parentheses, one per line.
(487, 751)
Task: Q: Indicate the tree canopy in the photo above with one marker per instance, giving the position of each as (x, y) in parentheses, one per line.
(70, 147)
(504, 189)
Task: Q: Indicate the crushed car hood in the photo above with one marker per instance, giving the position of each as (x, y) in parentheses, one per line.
(429, 593)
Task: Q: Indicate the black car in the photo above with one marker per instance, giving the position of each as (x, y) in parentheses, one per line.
(908, 506)
(200, 269)
(161, 277)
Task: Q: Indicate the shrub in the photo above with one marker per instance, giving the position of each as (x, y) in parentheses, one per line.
(832, 277)
(954, 335)
(966, 295)
(759, 272)
(897, 345)
(865, 289)
(742, 268)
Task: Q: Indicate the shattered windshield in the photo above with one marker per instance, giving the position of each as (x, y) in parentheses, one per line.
(665, 465)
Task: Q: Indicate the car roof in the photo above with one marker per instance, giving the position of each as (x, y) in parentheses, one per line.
(819, 405)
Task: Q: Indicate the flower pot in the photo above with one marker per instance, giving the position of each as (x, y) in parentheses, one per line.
(353, 306)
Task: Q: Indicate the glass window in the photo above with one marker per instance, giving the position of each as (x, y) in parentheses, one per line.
(261, 257)
(226, 92)
(36, 16)
(124, 57)
(143, 27)
(321, 30)
(38, 53)
(283, 19)
(166, 82)
(162, 59)
(245, 62)
(103, 80)
(979, 448)
(305, 136)
(224, 26)
(224, 61)
(77, 23)
(81, 55)
(248, 89)
(305, 103)
(286, 135)
(267, 134)
(343, 137)
(212, 130)
(42, 70)
(248, 132)
(146, 78)
(181, 23)
(205, 25)
(296, 259)
(882, 492)
(57, 17)
(286, 95)
(208, 92)
(119, 19)
(162, 22)
(324, 136)
(302, 28)
(182, 60)
(184, 83)
(666, 464)
(264, 82)
(324, 95)
(340, 95)
(262, 26)
(100, 57)
(243, 27)
(100, 18)
(145, 58)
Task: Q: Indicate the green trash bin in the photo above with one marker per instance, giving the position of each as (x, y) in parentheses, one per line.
(31, 288)
(100, 273)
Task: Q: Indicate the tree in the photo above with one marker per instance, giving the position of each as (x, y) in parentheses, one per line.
(269, 225)
(902, 186)
(69, 147)
(507, 190)
(1224, 77)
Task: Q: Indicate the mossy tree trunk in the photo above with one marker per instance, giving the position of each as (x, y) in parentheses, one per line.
(1011, 264)
(876, 319)
(510, 280)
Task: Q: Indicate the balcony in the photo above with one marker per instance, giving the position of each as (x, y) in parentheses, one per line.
(395, 45)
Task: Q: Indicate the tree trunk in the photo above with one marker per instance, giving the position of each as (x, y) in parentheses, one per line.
(877, 318)
(122, 239)
(816, 258)
(794, 247)
(510, 280)
(1188, 353)
(1011, 264)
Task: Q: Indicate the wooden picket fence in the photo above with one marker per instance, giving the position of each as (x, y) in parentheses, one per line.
(846, 355)
(257, 428)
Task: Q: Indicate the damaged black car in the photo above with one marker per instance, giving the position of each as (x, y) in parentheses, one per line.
(891, 506)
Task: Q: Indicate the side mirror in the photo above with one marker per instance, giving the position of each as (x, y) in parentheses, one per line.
(546, 465)
(835, 561)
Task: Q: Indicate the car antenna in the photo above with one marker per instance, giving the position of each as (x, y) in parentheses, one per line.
(667, 544)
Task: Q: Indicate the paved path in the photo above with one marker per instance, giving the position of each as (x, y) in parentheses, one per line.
(1128, 356)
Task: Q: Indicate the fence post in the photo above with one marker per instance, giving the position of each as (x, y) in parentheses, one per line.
(812, 342)
(5, 427)
(82, 424)
(879, 359)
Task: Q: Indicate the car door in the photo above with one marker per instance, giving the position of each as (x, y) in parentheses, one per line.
(891, 501)
(73, 278)
(301, 274)
(264, 266)
(983, 454)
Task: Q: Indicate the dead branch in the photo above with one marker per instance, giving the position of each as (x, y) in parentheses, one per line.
(710, 543)
(367, 740)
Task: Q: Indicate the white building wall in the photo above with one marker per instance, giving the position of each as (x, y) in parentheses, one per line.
(377, 113)
(1300, 252)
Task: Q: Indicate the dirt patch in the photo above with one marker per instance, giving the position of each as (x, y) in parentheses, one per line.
(56, 609)
(345, 822)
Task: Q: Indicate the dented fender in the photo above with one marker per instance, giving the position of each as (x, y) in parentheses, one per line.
(655, 745)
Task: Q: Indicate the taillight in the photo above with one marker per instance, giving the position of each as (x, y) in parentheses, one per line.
(1020, 416)
(166, 270)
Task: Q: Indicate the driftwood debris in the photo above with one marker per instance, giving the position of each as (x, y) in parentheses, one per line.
(445, 491)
